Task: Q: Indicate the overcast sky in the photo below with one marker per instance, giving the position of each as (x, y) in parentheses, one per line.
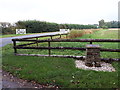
(59, 11)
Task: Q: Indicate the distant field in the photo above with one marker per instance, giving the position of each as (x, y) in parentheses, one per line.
(61, 71)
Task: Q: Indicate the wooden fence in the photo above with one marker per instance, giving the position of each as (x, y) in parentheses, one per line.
(91, 41)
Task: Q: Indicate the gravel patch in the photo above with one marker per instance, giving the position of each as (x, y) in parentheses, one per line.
(104, 66)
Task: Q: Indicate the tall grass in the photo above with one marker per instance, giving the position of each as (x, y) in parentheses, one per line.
(75, 33)
(79, 33)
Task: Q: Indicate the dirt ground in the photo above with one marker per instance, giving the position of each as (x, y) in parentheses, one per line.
(9, 81)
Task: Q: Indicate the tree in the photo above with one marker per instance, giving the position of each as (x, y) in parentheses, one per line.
(62, 26)
(101, 23)
(111, 24)
(33, 26)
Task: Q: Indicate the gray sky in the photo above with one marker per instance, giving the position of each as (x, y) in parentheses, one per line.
(59, 11)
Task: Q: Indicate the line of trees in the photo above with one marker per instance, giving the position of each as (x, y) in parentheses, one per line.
(111, 24)
(77, 26)
(42, 26)
(37, 26)
(34, 26)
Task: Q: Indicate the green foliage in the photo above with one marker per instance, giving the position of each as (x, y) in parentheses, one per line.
(34, 26)
(111, 24)
(78, 26)
(8, 30)
(105, 27)
(101, 23)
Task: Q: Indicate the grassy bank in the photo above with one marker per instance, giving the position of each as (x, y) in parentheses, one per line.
(13, 35)
(62, 71)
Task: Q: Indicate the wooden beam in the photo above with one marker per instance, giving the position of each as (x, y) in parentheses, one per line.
(49, 52)
(14, 46)
(71, 40)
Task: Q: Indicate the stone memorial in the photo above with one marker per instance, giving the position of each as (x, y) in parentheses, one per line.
(93, 56)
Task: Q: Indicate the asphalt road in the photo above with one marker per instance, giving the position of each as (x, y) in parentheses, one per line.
(5, 41)
(7, 81)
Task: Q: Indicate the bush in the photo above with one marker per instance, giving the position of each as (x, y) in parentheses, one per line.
(105, 27)
(7, 31)
(34, 26)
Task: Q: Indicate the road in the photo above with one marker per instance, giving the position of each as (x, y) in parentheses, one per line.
(5, 41)
(7, 81)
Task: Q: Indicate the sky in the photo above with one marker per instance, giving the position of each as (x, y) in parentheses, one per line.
(59, 11)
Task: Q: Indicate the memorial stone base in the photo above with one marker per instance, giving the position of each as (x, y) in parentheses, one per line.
(93, 56)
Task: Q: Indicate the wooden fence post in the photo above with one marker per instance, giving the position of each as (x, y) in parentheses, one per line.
(51, 37)
(90, 42)
(49, 52)
(66, 35)
(60, 35)
(36, 42)
(14, 44)
(92, 55)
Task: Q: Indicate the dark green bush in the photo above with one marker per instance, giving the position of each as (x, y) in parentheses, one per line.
(7, 30)
(105, 27)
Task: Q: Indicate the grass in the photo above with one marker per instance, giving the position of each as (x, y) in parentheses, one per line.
(13, 35)
(105, 34)
(62, 71)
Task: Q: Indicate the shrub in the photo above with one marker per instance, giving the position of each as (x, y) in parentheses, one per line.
(8, 31)
(105, 27)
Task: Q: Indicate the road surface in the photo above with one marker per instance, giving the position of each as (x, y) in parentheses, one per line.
(5, 41)
(7, 81)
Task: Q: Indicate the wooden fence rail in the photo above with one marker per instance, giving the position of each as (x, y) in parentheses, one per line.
(71, 48)
(70, 40)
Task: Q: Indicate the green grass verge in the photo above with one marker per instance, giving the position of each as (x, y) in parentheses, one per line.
(61, 71)
(13, 35)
